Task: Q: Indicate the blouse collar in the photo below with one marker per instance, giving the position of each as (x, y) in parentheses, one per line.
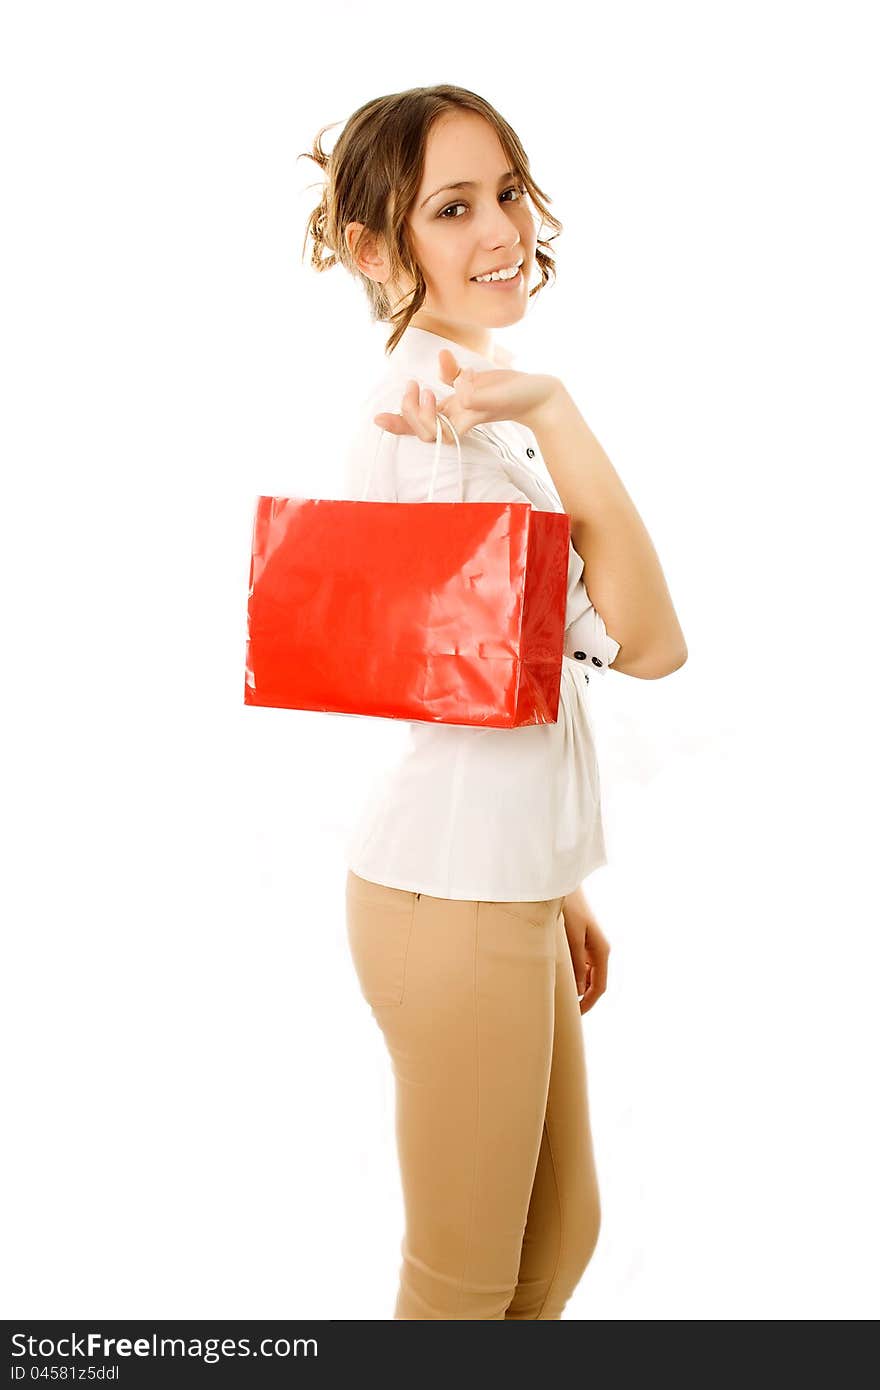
(417, 352)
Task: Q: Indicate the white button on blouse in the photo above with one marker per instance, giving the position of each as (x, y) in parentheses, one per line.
(483, 814)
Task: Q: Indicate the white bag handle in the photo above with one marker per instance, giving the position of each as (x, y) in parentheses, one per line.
(436, 458)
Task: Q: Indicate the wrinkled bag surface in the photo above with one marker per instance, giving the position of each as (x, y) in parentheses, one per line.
(441, 612)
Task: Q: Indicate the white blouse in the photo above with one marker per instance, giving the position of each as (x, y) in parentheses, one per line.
(467, 812)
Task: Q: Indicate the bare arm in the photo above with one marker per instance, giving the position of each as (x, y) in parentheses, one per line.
(622, 571)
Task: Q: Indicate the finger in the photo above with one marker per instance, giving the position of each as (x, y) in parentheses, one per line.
(579, 968)
(429, 411)
(394, 424)
(463, 379)
(598, 970)
(415, 410)
(595, 990)
(450, 368)
(446, 435)
(428, 407)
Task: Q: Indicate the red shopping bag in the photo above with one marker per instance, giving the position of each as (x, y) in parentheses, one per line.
(439, 612)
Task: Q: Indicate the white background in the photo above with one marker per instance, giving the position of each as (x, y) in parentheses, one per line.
(200, 1106)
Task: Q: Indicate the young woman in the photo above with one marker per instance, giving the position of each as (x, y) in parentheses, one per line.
(470, 934)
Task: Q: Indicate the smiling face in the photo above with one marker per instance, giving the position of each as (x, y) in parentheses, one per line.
(458, 233)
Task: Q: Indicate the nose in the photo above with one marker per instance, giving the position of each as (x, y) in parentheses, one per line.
(503, 241)
(501, 232)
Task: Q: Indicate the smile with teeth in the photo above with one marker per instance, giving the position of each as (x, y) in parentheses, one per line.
(507, 274)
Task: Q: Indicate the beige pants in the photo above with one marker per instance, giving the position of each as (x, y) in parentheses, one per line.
(478, 1006)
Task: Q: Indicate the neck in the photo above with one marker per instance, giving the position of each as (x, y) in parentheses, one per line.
(468, 335)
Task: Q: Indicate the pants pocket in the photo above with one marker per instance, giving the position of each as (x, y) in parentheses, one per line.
(538, 912)
(379, 923)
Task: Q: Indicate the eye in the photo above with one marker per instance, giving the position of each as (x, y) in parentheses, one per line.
(516, 188)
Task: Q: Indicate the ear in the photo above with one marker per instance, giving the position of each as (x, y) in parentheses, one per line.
(370, 257)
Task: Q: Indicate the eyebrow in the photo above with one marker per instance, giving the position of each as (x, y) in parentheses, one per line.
(466, 183)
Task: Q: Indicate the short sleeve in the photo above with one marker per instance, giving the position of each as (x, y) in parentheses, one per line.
(586, 638)
(482, 478)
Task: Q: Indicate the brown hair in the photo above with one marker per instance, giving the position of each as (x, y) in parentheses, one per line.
(373, 175)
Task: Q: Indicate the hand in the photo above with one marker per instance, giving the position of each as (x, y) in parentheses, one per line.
(476, 399)
(589, 949)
